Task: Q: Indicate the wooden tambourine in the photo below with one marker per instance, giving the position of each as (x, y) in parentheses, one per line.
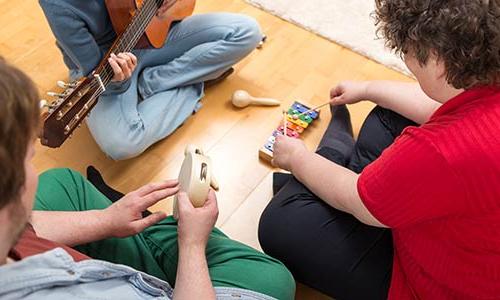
(196, 177)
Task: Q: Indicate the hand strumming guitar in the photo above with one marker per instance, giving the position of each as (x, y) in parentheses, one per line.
(123, 65)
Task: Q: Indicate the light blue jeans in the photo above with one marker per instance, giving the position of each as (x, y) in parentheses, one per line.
(167, 84)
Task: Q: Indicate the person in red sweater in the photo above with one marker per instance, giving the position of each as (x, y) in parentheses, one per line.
(411, 210)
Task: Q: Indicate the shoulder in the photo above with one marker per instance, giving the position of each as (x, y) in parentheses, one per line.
(461, 137)
(54, 3)
(55, 8)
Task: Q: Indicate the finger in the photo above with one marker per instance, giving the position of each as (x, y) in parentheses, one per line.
(211, 199)
(333, 92)
(155, 186)
(116, 69)
(338, 90)
(211, 202)
(277, 146)
(124, 66)
(127, 59)
(156, 196)
(211, 206)
(183, 202)
(132, 57)
(274, 163)
(279, 139)
(338, 100)
(150, 220)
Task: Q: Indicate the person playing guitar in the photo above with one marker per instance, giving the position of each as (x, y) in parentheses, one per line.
(153, 91)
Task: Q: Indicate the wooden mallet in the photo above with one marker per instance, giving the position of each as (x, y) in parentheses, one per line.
(243, 99)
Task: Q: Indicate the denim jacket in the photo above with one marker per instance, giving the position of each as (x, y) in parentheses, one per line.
(55, 275)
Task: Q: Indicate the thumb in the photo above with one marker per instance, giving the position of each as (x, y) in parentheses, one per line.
(211, 200)
(338, 100)
(150, 220)
(273, 163)
(183, 202)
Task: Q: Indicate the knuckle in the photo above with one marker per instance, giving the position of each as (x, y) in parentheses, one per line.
(135, 205)
(156, 195)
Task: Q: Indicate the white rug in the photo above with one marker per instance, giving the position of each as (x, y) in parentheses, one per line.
(346, 22)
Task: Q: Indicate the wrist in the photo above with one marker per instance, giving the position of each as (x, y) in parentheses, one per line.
(366, 88)
(299, 158)
(105, 221)
(192, 247)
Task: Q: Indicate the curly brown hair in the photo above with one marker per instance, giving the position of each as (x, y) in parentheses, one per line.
(19, 115)
(463, 34)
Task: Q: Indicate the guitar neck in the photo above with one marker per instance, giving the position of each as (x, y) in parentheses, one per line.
(128, 39)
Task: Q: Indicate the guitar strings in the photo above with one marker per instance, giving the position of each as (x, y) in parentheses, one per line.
(150, 8)
(106, 75)
(138, 32)
(106, 72)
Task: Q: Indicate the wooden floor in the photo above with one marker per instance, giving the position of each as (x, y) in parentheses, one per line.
(294, 64)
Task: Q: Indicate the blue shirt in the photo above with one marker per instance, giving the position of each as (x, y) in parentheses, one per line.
(83, 32)
(55, 275)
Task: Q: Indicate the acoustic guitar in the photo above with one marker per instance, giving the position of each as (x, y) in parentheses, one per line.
(137, 25)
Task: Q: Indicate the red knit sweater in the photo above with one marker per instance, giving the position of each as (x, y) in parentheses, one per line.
(438, 188)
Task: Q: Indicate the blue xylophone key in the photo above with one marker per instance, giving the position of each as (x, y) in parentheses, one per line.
(269, 146)
(296, 106)
(313, 114)
(299, 107)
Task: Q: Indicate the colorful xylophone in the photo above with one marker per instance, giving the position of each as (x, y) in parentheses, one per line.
(294, 127)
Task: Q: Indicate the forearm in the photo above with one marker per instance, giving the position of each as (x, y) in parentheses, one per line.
(193, 280)
(407, 99)
(71, 228)
(333, 183)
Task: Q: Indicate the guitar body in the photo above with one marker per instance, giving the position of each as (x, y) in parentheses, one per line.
(122, 11)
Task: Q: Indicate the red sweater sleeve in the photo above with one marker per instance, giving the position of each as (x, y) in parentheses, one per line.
(410, 182)
(30, 244)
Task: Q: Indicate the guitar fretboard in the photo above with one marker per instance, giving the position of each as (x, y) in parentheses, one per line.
(134, 31)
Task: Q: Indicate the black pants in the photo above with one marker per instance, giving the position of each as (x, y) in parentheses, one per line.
(325, 248)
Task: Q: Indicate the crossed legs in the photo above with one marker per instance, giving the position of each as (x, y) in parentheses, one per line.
(323, 247)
